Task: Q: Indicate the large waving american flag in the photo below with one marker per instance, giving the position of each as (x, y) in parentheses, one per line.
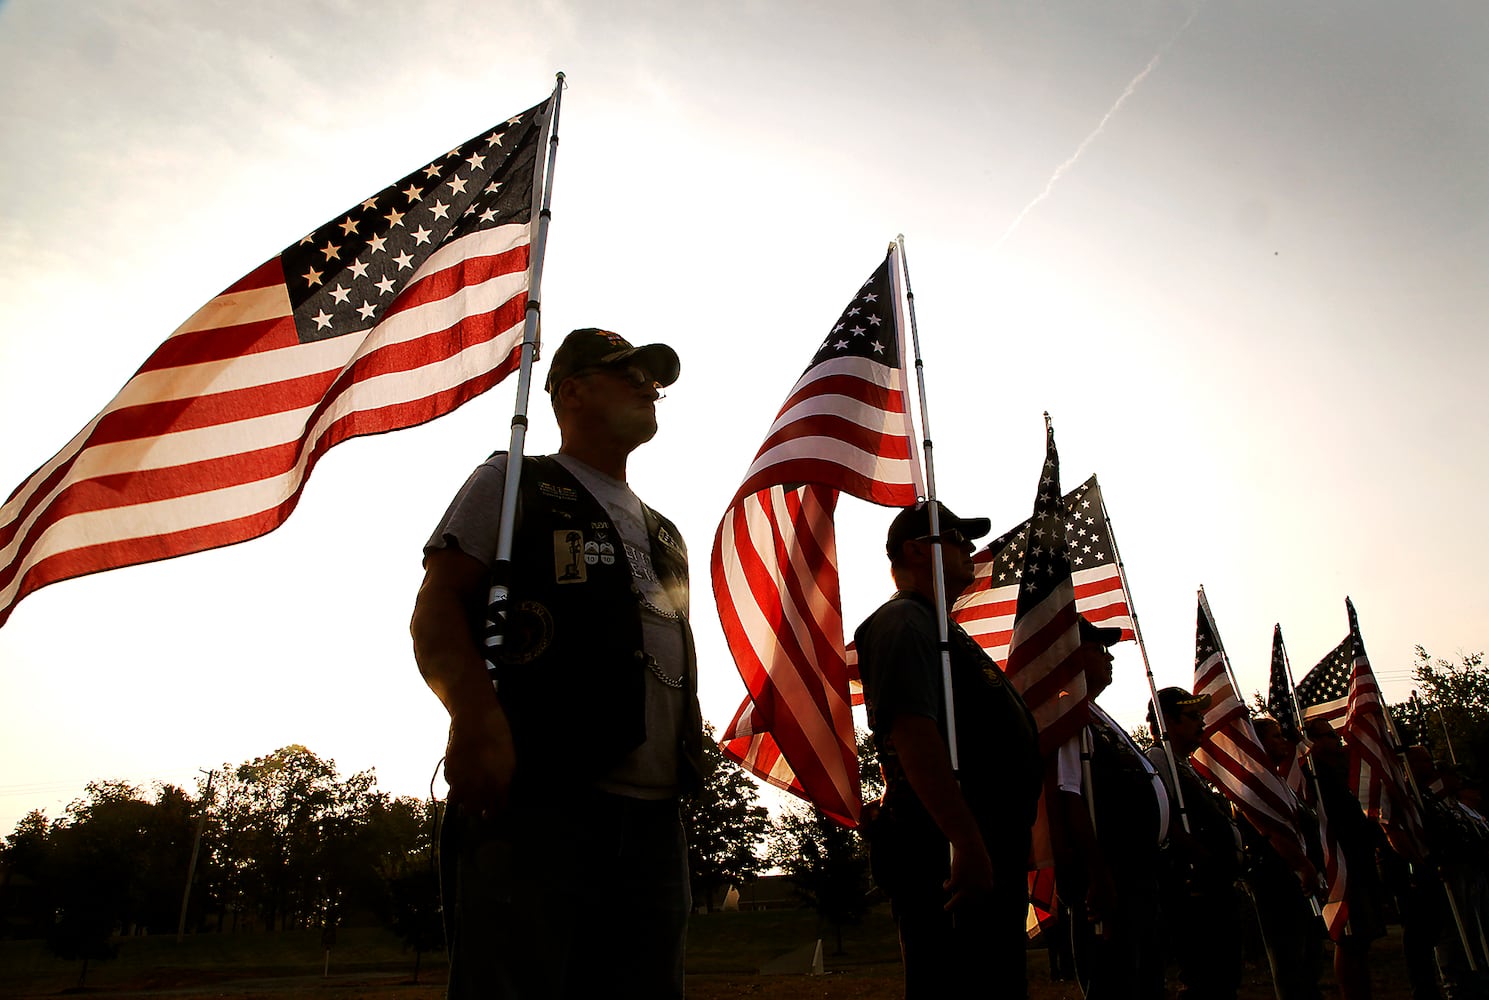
(846, 427)
(1230, 755)
(986, 609)
(1046, 632)
(398, 310)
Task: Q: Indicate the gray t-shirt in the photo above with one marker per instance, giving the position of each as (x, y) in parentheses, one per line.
(472, 523)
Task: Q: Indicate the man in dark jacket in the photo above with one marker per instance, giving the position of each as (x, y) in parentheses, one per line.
(952, 856)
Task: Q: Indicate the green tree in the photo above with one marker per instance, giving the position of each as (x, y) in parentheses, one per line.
(287, 836)
(725, 826)
(25, 906)
(1455, 707)
(826, 862)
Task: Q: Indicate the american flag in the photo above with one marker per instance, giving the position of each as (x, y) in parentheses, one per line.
(1230, 755)
(1280, 706)
(1335, 905)
(1375, 774)
(846, 427)
(1323, 693)
(986, 608)
(1046, 633)
(1280, 690)
(396, 311)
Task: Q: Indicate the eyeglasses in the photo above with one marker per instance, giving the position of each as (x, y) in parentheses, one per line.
(951, 536)
(1193, 713)
(631, 375)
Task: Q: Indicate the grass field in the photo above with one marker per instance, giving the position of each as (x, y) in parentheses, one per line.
(725, 954)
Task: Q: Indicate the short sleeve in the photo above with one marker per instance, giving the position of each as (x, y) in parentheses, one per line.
(1068, 765)
(899, 664)
(473, 519)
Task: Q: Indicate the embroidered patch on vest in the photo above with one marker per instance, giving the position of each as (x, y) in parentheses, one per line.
(600, 550)
(529, 633)
(665, 538)
(557, 492)
(568, 557)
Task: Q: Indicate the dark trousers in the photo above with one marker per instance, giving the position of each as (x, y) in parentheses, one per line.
(1123, 958)
(1293, 936)
(571, 900)
(980, 951)
(1204, 925)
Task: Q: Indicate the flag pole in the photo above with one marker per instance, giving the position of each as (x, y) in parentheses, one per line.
(1137, 631)
(1308, 773)
(1411, 782)
(943, 635)
(1204, 602)
(501, 569)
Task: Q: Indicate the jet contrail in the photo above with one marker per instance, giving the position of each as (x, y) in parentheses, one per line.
(1116, 106)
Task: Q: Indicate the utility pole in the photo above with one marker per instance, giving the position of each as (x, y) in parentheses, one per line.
(196, 846)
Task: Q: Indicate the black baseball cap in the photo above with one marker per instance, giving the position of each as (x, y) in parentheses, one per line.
(1099, 635)
(915, 522)
(1175, 699)
(594, 348)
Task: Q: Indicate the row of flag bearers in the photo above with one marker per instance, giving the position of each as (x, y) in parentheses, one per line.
(425, 294)
(1304, 801)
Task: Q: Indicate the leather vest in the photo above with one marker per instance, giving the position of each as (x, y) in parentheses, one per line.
(573, 664)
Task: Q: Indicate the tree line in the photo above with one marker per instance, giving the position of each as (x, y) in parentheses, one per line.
(286, 842)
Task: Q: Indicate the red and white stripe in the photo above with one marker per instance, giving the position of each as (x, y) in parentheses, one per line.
(1375, 775)
(987, 612)
(845, 426)
(1042, 667)
(1232, 758)
(1336, 875)
(212, 440)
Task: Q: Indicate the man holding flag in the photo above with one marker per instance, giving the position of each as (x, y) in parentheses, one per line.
(949, 847)
(565, 772)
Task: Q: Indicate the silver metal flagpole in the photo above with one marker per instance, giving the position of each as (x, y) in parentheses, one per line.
(501, 576)
(1137, 630)
(937, 559)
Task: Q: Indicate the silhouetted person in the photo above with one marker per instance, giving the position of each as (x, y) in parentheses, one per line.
(565, 780)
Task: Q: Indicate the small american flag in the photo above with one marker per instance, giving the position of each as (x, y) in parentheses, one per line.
(1324, 692)
(1336, 873)
(1046, 632)
(1375, 774)
(846, 427)
(1230, 755)
(396, 311)
(1280, 690)
(1281, 707)
(986, 608)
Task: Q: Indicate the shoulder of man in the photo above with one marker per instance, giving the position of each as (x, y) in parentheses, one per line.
(660, 527)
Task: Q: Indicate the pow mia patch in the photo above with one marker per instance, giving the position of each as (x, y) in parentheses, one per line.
(569, 557)
(529, 633)
(600, 549)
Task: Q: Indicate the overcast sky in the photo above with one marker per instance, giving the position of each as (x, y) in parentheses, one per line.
(1235, 248)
